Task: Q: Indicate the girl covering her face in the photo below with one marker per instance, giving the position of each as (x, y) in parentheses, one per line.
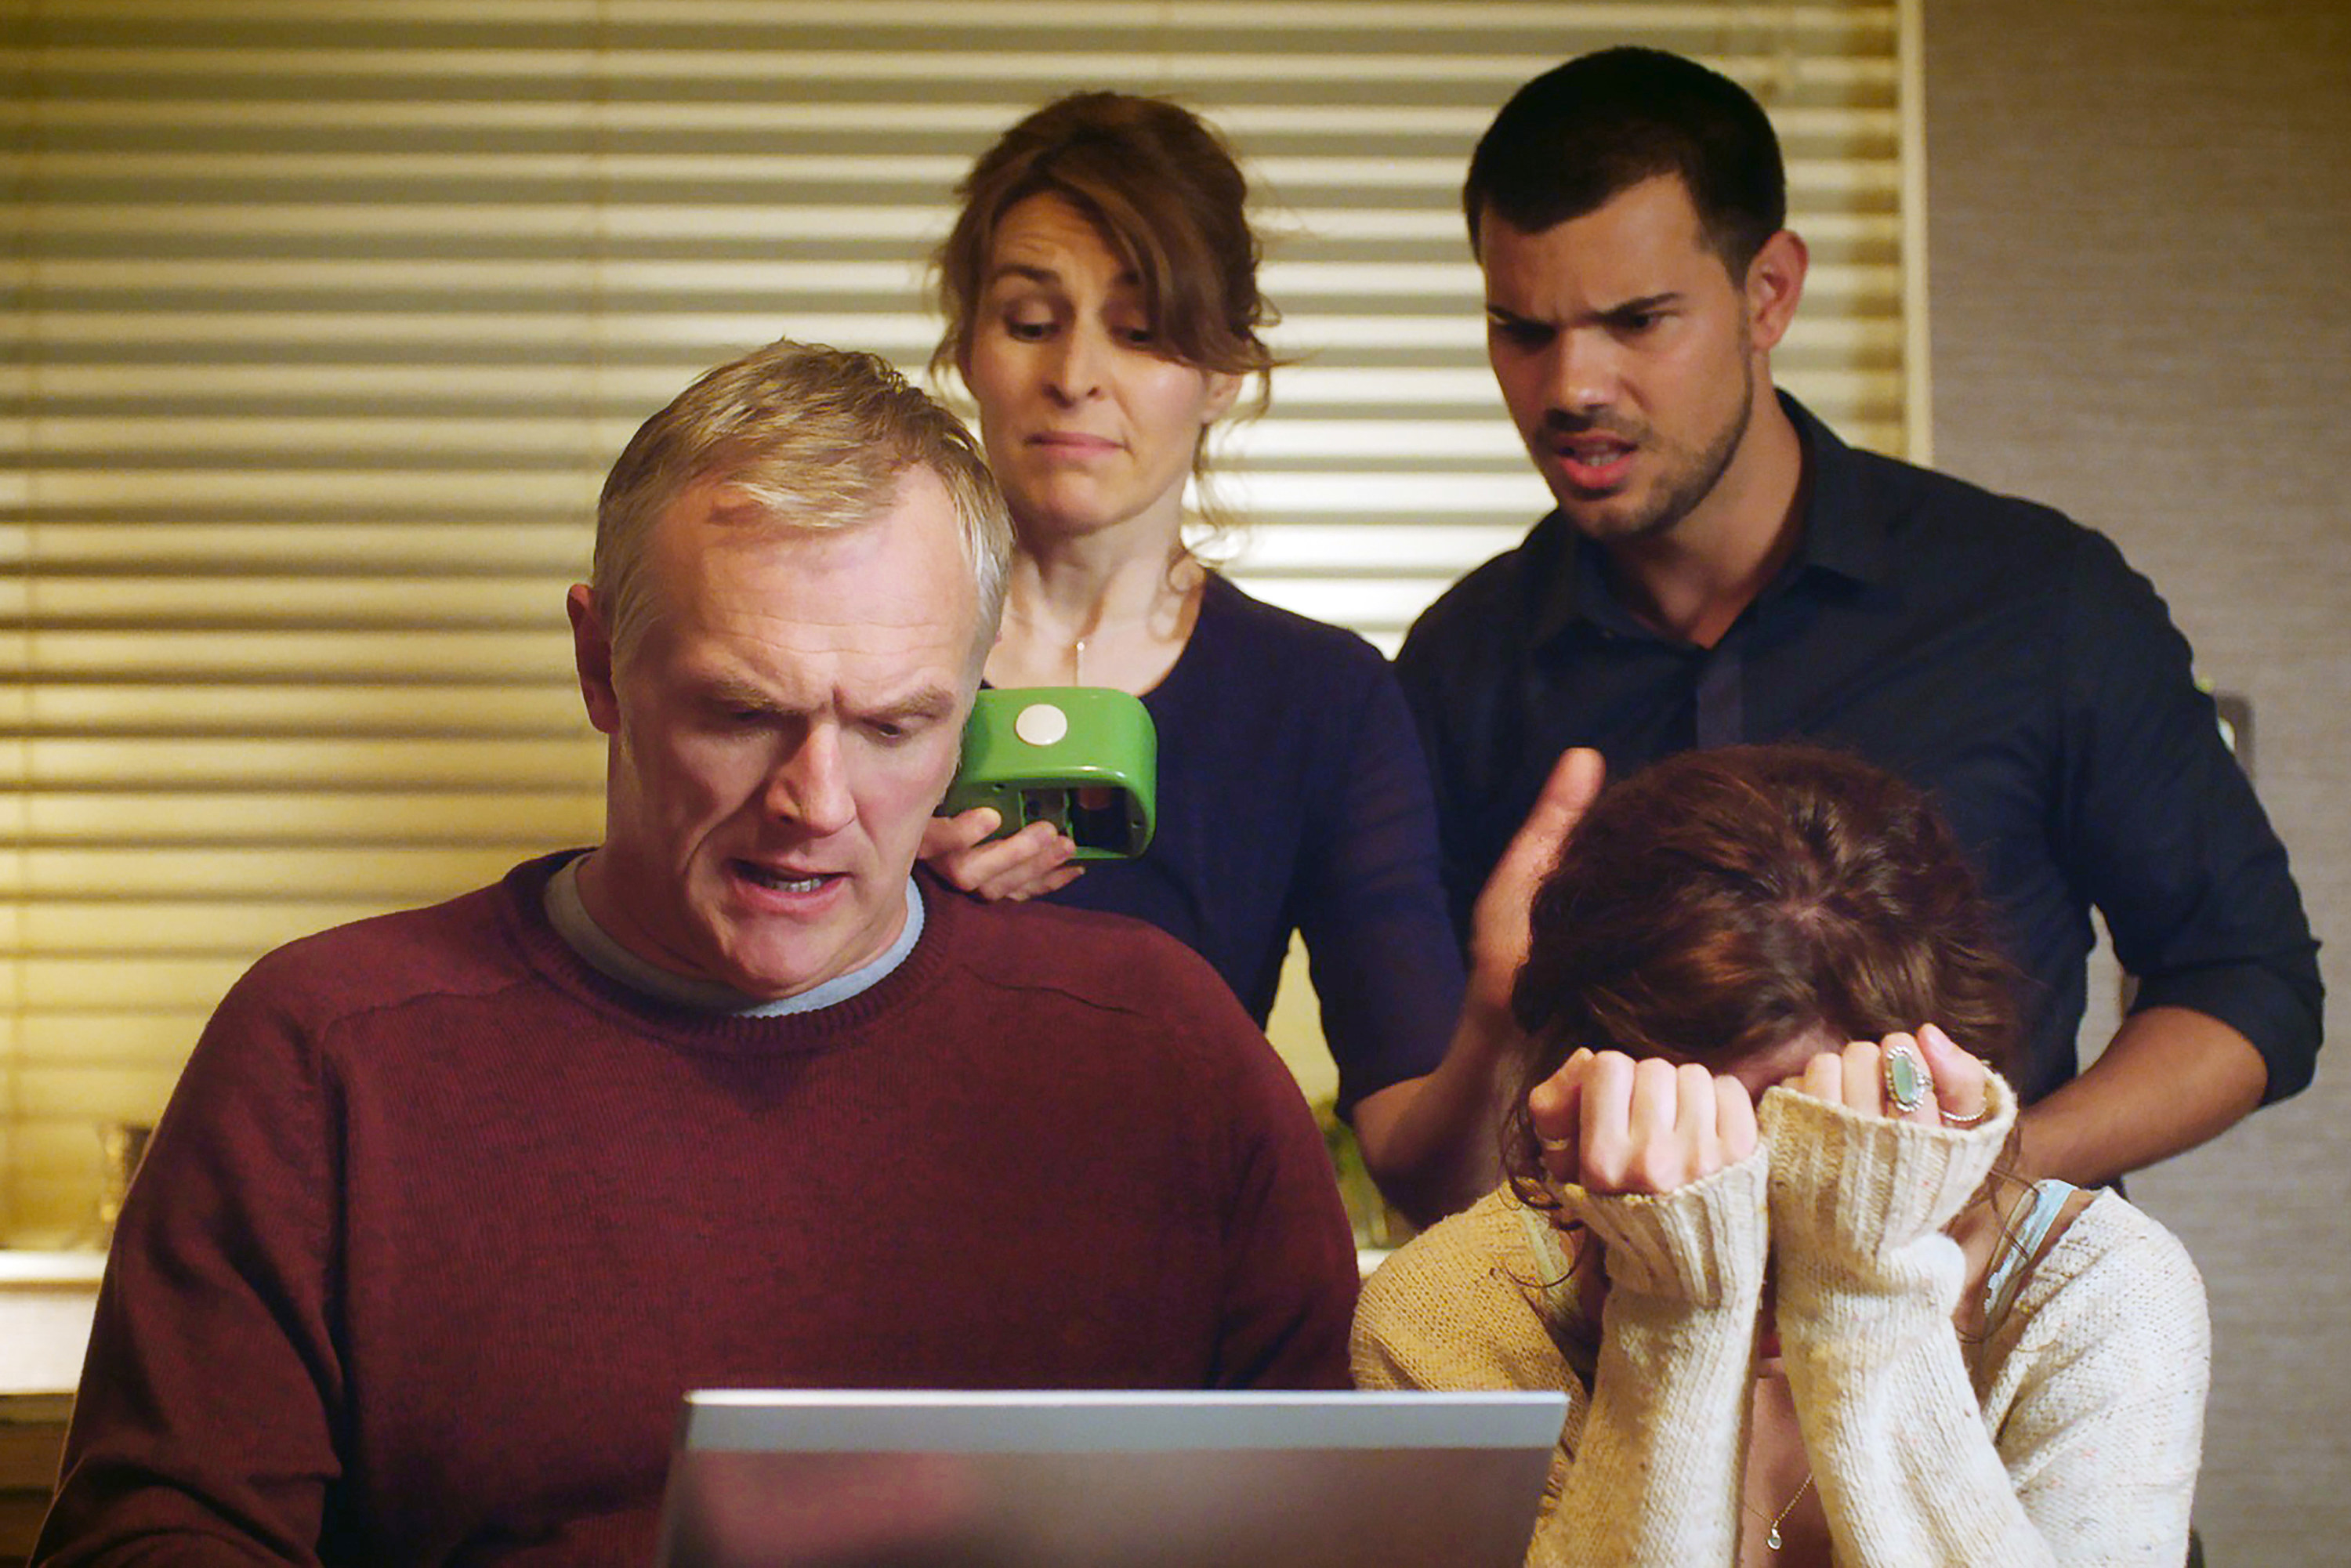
(1758, 1224)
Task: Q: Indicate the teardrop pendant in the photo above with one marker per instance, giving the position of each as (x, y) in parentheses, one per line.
(1771, 1536)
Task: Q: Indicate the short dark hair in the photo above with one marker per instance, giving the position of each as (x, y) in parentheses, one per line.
(1581, 133)
(1718, 904)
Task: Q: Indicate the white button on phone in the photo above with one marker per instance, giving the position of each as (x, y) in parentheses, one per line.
(1040, 723)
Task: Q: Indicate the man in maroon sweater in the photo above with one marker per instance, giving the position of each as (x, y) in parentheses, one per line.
(450, 1207)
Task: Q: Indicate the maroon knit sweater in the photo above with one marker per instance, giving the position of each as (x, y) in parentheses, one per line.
(440, 1223)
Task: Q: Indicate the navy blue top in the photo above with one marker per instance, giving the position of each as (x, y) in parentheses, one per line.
(1992, 651)
(1293, 796)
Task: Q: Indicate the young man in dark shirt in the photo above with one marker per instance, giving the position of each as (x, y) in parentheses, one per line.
(1720, 568)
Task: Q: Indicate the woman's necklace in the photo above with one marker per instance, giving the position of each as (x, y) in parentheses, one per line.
(1773, 1539)
(1169, 593)
(1078, 644)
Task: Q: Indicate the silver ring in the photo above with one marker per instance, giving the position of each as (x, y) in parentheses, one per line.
(1963, 1123)
(1908, 1084)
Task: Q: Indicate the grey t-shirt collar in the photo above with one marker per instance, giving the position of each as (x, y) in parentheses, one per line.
(596, 948)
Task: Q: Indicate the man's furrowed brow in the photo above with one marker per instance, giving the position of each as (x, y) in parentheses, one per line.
(1641, 305)
(930, 702)
(1644, 305)
(726, 690)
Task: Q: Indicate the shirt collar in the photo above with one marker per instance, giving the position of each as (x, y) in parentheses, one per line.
(597, 948)
(1843, 534)
(1841, 537)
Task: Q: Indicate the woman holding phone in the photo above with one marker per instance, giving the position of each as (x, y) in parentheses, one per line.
(1100, 295)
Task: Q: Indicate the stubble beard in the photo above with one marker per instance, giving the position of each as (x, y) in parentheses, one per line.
(1681, 490)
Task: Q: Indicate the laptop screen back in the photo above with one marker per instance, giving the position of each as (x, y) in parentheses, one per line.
(861, 1479)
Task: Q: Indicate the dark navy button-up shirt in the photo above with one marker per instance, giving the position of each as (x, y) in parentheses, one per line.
(1992, 651)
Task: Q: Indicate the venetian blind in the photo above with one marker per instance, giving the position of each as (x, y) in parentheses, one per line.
(324, 320)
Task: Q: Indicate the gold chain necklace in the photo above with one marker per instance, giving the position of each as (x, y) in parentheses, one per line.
(1093, 631)
(1771, 1541)
(1079, 644)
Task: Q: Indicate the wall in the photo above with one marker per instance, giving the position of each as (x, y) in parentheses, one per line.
(2139, 212)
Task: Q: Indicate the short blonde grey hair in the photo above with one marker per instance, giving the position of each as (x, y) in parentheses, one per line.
(818, 438)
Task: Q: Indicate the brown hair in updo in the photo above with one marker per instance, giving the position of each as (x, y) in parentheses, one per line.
(1169, 199)
(1721, 903)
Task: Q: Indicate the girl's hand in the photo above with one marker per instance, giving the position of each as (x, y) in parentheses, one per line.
(1924, 1078)
(1030, 862)
(1611, 1124)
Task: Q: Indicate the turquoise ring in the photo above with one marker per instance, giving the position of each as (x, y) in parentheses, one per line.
(1908, 1085)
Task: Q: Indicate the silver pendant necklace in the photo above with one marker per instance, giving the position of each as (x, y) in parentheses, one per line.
(1771, 1540)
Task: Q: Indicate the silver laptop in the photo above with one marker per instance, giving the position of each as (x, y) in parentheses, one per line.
(861, 1479)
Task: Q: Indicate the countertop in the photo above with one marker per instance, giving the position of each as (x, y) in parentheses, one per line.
(45, 1303)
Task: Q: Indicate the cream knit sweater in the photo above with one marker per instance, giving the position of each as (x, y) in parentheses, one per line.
(2070, 1434)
